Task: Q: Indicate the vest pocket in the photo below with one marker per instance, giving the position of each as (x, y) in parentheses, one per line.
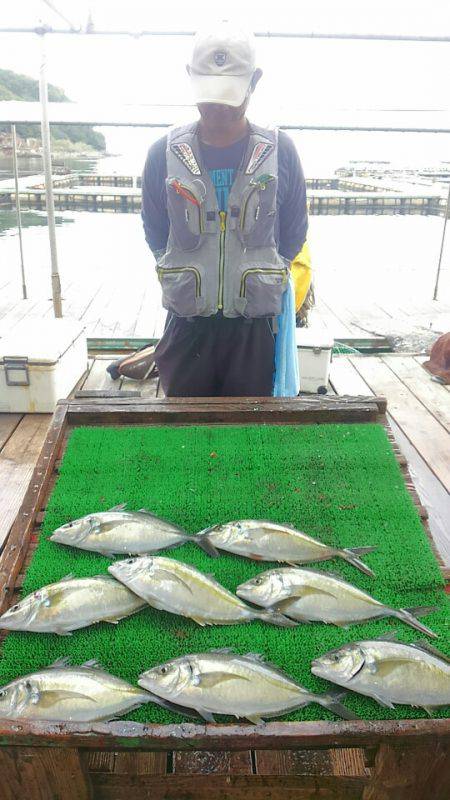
(181, 289)
(261, 292)
(185, 210)
(258, 211)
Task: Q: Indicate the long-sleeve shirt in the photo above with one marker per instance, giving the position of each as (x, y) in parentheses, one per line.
(291, 222)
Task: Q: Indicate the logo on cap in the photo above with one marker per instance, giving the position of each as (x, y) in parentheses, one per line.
(220, 57)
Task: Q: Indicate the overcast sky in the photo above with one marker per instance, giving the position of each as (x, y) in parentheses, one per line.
(297, 73)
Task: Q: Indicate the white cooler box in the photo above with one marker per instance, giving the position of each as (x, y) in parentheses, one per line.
(40, 363)
(314, 347)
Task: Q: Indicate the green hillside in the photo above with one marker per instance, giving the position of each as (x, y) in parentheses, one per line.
(19, 87)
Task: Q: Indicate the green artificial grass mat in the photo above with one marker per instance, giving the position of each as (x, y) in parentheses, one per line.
(339, 483)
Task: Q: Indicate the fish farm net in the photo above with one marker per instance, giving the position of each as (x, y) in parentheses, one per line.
(339, 483)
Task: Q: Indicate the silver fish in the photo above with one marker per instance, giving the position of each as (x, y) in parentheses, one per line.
(125, 532)
(390, 672)
(170, 585)
(221, 682)
(71, 694)
(268, 541)
(308, 595)
(70, 604)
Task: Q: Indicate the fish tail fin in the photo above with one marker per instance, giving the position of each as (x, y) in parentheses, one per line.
(275, 618)
(350, 554)
(203, 541)
(331, 701)
(408, 615)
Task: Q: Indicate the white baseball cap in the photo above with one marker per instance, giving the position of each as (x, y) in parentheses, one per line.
(222, 65)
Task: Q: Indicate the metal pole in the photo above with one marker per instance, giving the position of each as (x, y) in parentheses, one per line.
(19, 216)
(383, 37)
(46, 153)
(447, 211)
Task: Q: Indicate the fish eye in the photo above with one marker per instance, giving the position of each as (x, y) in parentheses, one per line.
(336, 657)
(130, 561)
(2, 692)
(163, 670)
(258, 581)
(14, 608)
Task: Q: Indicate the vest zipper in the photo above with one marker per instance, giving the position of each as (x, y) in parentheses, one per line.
(262, 271)
(198, 277)
(223, 227)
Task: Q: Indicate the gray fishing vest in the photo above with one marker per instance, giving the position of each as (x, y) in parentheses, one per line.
(217, 260)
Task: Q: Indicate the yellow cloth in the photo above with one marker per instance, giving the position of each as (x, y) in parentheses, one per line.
(301, 272)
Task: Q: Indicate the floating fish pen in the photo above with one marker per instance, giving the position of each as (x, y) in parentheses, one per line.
(110, 180)
(374, 202)
(128, 200)
(330, 465)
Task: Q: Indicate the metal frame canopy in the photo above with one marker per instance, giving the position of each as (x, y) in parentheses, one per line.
(91, 31)
(159, 116)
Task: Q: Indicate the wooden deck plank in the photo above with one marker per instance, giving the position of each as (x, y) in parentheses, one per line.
(20, 310)
(147, 313)
(8, 423)
(347, 380)
(43, 773)
(98, 378)
(345, 761)
(420, 360)
(431, 394)
(231, 787)
(418, 425)
(135, 762)
(432, 494)
(293, 762)
(17, 460)
(218, 762)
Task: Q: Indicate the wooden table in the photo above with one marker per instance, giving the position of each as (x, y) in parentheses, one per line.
(385, 760)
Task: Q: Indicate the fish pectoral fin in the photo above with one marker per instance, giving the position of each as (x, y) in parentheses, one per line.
(61, 632)
(307, 591)
(50, 697)
(107, 553)
(170, 576)
(52, 599)
(311, 590)
(207, 680)
(428, 709)
(385, 668)
(255, 718)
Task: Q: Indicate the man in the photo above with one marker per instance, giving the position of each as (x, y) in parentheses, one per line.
(224, 212)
